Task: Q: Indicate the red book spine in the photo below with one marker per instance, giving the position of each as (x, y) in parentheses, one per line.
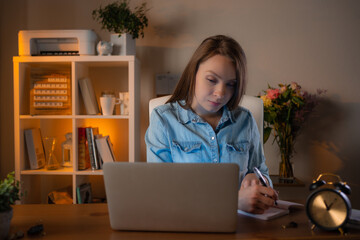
(83, 151)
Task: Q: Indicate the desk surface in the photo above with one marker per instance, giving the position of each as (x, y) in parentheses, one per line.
(91, 221)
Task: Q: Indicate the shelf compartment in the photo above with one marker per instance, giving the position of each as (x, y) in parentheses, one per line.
(97, 186)
(104, 76)
(35, 188)
(24, 80)
(117, 129)
(49, 128)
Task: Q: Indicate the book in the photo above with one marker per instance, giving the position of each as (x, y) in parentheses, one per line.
(92, 148)
(84, 193)
(355, 217)
(88, 94)
(100, 161)
(111, 148)
(104, 149)
(35, 148)
(83, 151)
(282, 208)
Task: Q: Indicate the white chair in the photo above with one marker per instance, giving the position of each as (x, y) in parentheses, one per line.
(254, 104)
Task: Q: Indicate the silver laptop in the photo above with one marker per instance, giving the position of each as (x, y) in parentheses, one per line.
(192, 197)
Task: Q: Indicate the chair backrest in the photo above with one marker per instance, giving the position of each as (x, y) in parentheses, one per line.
(254, 104)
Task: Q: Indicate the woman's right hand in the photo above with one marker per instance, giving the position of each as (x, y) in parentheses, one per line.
(255, 198)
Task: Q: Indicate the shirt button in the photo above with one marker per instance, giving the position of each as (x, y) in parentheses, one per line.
(212, 138)
(215, 160)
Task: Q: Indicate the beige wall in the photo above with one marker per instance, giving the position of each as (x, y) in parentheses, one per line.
(313, 42)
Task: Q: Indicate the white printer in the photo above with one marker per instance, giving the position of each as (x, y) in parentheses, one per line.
(56, 42)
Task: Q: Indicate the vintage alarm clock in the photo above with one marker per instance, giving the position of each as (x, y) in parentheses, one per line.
(328, 206)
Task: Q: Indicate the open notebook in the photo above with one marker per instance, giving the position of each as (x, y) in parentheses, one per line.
(282, 208)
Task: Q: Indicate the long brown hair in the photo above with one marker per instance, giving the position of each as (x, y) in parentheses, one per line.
(211, 46)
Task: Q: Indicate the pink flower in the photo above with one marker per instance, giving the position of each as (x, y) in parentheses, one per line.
(272, 93)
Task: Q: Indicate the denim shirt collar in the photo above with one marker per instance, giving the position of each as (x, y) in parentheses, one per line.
(187, 115)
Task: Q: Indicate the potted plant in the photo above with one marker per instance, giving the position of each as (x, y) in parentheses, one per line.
(9, 193)
(125, 24)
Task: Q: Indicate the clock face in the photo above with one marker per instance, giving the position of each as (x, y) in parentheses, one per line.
(328, 208)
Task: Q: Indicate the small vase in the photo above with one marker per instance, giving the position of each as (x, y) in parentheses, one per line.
(51, 161)
(285, 169)
(124, 45)
(5, 219)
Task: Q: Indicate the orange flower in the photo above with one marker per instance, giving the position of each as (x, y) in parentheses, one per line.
(266, 100)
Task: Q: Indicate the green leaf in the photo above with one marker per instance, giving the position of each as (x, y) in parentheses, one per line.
(267, 132)
(117, 17)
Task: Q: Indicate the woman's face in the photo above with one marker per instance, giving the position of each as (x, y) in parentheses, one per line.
(214, 86)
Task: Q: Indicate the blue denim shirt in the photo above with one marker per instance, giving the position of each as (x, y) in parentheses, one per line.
(176, 134)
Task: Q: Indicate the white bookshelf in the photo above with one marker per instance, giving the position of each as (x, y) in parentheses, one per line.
(115, 73)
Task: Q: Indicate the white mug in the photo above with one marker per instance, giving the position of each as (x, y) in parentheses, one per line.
(107, 105)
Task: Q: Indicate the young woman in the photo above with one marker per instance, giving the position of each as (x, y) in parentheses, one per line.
(202, 122)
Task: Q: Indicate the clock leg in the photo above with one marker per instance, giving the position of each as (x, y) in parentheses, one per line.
(313, 227)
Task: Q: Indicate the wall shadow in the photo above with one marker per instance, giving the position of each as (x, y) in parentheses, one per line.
(330, 142)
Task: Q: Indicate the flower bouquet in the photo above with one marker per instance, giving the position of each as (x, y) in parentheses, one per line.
(285, 110)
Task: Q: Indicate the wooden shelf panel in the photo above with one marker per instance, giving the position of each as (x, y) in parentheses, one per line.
(101, 117)
(46, 116)
(94, 59)
(62, 171)
(89, 172)
(74, 117)
(43, 171)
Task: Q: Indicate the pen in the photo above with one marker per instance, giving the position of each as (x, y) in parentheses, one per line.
(262, 179)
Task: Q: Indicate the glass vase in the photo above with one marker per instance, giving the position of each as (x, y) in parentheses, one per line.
(285, 169)
(51, 161)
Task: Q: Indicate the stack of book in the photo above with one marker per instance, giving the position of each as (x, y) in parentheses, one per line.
(93, 149)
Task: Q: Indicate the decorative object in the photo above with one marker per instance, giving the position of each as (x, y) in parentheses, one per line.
(9, 193)
(51, 161)
(104, 48)
(123, 101)
(123, 45)
(67, 151)
(328, 206)
(50, 92)
(118, 18)
(285, 110)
